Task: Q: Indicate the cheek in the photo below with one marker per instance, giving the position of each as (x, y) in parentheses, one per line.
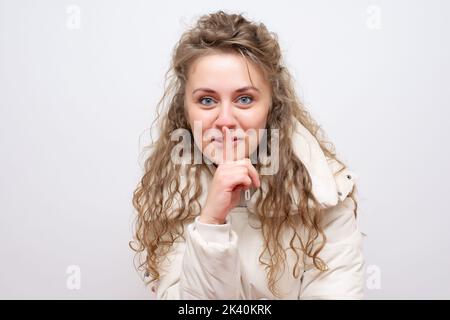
(200, 121)
(196, 114)
(257, 120)
(253, 120)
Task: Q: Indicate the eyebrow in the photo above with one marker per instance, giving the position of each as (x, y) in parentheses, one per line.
(238, 90)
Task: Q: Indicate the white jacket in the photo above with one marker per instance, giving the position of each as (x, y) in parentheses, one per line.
(221, 261)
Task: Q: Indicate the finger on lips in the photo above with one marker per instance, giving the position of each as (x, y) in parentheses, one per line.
(227, 146)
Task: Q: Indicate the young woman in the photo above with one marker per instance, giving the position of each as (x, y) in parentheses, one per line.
(232, 226)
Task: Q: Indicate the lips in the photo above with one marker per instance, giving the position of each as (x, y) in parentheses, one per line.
(220, 139)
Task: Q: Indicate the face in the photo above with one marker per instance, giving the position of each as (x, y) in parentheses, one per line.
(220, 97)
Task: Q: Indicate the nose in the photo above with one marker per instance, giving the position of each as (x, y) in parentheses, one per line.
(226, 117)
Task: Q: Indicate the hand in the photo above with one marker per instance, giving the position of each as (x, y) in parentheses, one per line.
(225, 190)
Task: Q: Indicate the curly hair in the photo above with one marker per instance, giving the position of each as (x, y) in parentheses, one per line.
(158, 223)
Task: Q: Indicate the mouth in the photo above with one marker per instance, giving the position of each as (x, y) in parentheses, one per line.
(219, 140)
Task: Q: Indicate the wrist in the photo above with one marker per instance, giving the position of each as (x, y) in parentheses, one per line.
(204, 218)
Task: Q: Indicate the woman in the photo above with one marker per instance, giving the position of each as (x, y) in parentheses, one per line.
(232, 226)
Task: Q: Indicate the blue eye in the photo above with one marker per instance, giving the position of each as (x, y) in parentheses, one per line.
(250, 99)
(208, 99)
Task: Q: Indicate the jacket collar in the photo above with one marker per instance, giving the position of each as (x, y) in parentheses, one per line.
(319, 167)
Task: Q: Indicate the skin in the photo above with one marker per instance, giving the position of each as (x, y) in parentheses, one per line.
(224, 112)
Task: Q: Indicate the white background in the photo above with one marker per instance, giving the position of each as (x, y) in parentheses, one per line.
(76, 106)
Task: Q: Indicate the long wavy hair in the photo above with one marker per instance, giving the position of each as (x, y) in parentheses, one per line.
(158, 223)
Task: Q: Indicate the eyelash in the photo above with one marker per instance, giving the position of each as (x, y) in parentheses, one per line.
(204, 97)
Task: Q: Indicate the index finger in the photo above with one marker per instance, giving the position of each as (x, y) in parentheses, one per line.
(227, 145)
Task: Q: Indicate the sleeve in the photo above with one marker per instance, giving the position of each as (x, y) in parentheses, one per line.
(343, 254)
(205, 266)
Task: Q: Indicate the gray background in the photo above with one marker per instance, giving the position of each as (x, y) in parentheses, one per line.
(76, 105)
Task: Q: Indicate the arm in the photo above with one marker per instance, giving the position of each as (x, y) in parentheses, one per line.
(343, 255)
(206, 266)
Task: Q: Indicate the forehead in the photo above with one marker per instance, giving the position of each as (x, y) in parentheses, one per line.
(225, 71)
